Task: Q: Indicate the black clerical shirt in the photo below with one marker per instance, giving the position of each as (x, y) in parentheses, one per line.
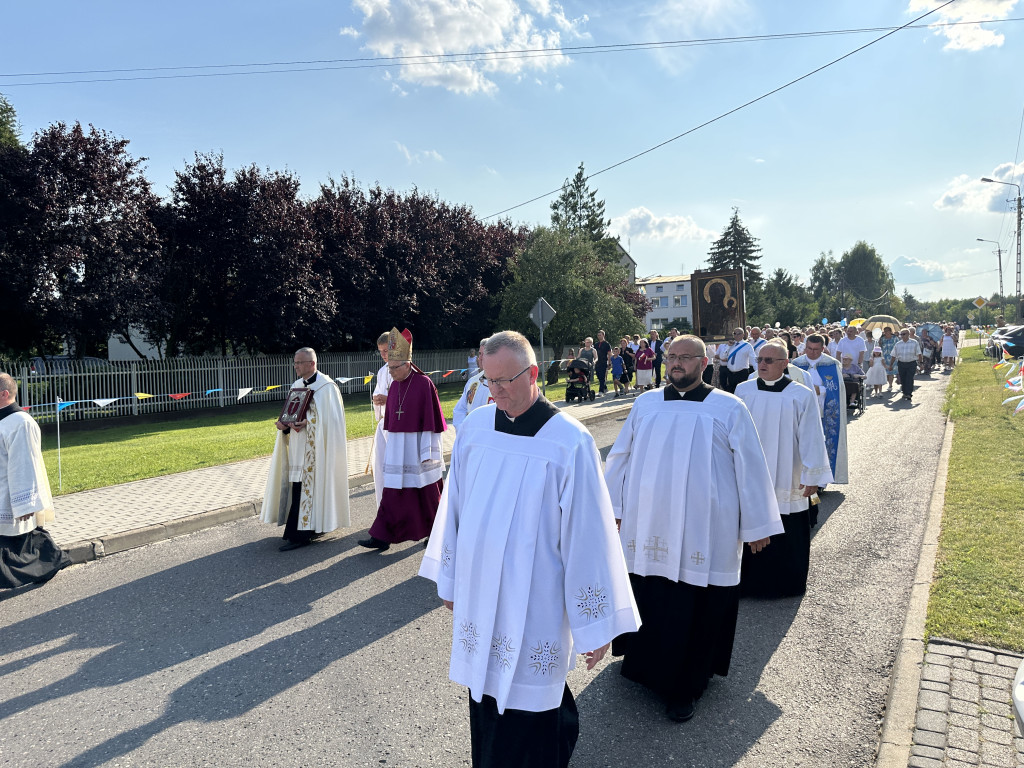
(528, 423)
(8, 410)
(697, 394)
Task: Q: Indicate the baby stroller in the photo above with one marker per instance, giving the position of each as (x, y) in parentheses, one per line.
(577, 386)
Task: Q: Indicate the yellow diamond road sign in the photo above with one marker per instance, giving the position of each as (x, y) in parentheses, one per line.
(979, 302)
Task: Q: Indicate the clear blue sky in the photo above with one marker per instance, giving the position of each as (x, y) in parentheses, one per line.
(886, 146)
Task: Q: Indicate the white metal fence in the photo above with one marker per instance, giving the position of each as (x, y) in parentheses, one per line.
(133, 388)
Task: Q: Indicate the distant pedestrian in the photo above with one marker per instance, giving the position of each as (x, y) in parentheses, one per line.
(307, 486)
(604, 354)
(736, 361)
(907, 353)
(618, 372)
(380, 400)
(887, 343)
(28, 554)
(644, 366)
(474, 394)
(657, 347)
(948, 349)
(876, 373)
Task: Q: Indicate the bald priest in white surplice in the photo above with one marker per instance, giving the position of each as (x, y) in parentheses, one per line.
(524, 546)
(789, 426)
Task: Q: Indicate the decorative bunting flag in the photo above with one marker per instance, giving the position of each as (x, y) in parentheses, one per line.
(367, 379)
(62, 404)
(142, 395)
(104, 402)
(179, 395)
(211, 391)
(1011, 399)
(243, 392)
(446, 375)
(275, 386)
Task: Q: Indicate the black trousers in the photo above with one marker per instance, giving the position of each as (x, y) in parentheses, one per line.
(657, 370)
(730, 379)
(291, 526)
(521, 739)
(907, 372)
(600, 372)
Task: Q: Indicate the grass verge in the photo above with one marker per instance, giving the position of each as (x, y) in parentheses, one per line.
(977, 593)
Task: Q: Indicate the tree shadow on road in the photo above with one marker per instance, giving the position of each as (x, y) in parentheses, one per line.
(193, 609)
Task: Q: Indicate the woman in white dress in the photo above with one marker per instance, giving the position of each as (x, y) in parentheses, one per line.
(948, 349)
(876, 376)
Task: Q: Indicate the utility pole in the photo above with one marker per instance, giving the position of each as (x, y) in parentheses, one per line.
(999, 255)
(1019, 306)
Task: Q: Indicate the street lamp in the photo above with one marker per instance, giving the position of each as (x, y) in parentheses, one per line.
(1011, 184)
(999, 255)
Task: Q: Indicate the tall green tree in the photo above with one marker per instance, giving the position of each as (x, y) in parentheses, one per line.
(587, 292)
(736, 249)
(10, 131)
(578, 210)
(865, 281)
(786, 301)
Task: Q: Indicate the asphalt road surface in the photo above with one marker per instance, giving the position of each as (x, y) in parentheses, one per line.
(215, 649)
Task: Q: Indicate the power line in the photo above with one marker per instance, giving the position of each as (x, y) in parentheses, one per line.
(367, 62)
(723, 115)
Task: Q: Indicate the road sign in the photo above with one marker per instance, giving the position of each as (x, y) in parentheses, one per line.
(970, 315)
(979, 302)
(542, 313)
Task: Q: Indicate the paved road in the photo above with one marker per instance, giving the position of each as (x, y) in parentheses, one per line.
(216, 649)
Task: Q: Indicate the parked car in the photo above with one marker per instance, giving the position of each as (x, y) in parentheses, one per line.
(61, 365)
(1011, 342)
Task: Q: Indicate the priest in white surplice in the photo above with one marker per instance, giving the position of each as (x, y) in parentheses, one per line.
(786, 415)
(826, 376)
(690, 484)
(380, 401)
(307, 487)
(28, 554)
(474, 394)
(524, 551)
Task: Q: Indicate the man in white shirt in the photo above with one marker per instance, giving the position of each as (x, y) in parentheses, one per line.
(736, 361)
(474, 394)
(907, 354)
(852, 345)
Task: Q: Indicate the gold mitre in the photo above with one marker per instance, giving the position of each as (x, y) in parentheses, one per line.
(399, 346)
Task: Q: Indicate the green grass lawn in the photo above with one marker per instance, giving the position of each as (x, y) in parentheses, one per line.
(104, 456)
(977, 593)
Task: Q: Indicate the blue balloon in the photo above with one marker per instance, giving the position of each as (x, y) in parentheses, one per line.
(824, 321)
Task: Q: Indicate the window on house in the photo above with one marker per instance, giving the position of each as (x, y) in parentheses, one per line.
(677, 301)
(659, 288)
(663, 302)
(681, 287)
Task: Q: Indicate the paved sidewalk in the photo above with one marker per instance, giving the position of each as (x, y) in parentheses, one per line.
(965, 715)
(103, 521)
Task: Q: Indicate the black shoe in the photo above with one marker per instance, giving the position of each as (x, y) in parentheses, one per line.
(374, 543)
(680, 712)
(289, 546)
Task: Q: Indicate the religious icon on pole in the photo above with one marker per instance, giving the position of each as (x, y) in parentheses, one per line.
(296, 404)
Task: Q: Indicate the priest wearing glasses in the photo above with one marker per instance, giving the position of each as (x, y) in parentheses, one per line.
(689, 484)
(789, 426)
(524, 552)
(413, 454)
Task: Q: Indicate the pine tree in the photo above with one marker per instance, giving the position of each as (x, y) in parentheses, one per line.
(736, 248)
(9, 129)
(578, 211)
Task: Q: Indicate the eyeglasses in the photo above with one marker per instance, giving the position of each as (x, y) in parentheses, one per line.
(501, 383)
(770, 360)
(302, 362)
(683, 358)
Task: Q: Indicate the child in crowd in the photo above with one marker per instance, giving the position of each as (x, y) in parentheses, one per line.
(618, 371)
(876, 373)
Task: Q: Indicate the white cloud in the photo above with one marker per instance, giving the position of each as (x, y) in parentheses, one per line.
(966, 37)
(759, 160)
(642, 224)
(691, 19)
(349, 32)
(432, 28)
(418, 157)
(968, 194)
(490, 170)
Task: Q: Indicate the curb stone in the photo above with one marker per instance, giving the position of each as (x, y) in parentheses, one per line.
(94, 549)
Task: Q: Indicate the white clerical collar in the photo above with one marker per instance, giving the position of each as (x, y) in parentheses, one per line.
(773, 383)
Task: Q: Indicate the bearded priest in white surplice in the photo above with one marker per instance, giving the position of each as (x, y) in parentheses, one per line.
(307, 487)
(28, 554)
(524, 551)
(690, 484)
(788, 424)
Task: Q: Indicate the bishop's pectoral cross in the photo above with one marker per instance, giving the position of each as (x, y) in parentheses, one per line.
(399, 412)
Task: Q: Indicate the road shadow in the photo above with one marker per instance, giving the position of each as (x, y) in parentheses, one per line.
(240, 684)
(624, 723)
(829, 504)
(150, 624)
